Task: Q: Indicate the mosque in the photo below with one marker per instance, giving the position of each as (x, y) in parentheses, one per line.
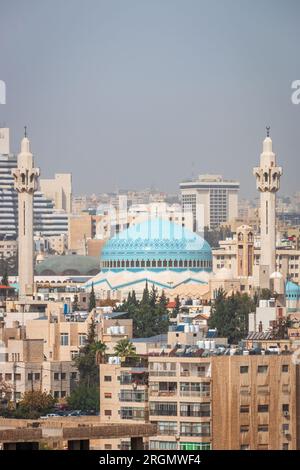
(158, 251)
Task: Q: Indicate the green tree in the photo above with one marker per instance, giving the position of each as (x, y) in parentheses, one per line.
(84, 398)
(4, 280)
(176, 309)
(146, 296)
(124, 348)
(86, 359)
(153, 296)
(34, 404)
(230, 315)
(92, 299)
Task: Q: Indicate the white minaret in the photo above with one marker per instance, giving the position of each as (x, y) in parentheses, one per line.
(26, 177)
(268, 183)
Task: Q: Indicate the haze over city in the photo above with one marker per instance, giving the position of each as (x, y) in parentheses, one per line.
(137, 94)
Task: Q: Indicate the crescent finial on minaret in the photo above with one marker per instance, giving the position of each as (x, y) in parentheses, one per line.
(25, 131)
(268, 131)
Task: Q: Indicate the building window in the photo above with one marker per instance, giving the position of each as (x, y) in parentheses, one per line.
(285, 446)
(107, 395)
(262, 369)
(244, 428)
(285, 408)
(17, 376)
(56, 394)
(285, 368)
(263, 428)
(107, 378)
(8, 376)
(244, 369)
(107, 412)
(64, 339)
(73, 375)
(37, 376)
(285, 428)
(244, 409)
(63, 394)
(81, 339)
(107, 446)
(56, 376)
(30, 376)
(263, 408)
(63, 376)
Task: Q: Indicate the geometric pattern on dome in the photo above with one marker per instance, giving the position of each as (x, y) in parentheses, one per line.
(157, 241)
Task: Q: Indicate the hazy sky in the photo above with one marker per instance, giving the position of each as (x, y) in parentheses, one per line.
(140, 93)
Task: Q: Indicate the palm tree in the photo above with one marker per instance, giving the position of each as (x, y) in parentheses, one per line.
(124, 348)
(99, 349)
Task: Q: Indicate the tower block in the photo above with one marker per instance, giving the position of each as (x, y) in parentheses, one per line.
(25, 182)
(268, 183)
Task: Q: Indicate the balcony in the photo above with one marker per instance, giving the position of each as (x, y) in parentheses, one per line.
(195, 414)
(163, 393)
(162, 373)
(195, 394)
(135, 414)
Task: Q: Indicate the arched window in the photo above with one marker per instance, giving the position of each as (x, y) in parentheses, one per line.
(194, 263)
(159, 263)
(148, 263)
(190, 263)
(127, 264)
(175, 263)
(115, 264)
(123, 264)
(185, 263)
(132, 263)
(153, 263)
(180, 263)
(142, 263)
(165, 263)
(137, 263)
(170, 263)
(118, 264)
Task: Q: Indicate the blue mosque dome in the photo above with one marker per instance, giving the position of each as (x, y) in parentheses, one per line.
(292, 291)
(156, 244)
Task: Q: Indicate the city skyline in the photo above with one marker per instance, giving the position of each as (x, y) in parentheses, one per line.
(149, 109)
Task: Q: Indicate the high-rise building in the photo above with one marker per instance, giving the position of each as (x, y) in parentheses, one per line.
(268, 183)
(212, 200)
(47, 220)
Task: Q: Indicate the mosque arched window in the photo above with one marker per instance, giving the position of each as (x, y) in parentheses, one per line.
(165, 263)
(175, 263)
(153, 263)
(148, 263)
(132, 263)
(118, 264)
(170, 263)
(159, 263)
(194, 263)
(185, 263)
(127, 264)
(190, 263)
(115, 264)
(180, 263)
(137, 263)
(123, 264)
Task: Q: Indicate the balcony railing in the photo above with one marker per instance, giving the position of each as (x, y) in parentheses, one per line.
(194, 373)
(195, 414)
(162, 373)
(163, 412)
(195, 434)
(194, 393)
(163, 393)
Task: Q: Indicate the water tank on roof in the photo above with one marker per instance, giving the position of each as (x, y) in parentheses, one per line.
(207, 344)
(200, 344)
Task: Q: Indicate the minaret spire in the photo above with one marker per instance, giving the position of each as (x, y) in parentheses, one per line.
(268, 183)
(25, 178)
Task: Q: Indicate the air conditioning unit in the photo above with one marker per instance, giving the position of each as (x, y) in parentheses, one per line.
(286, 414)
(286, 432)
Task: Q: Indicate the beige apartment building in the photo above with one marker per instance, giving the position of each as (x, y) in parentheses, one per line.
(206, 401)
(82, 229)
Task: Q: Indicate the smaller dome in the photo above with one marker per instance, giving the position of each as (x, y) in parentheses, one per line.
(68, 265)
(276, 275)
